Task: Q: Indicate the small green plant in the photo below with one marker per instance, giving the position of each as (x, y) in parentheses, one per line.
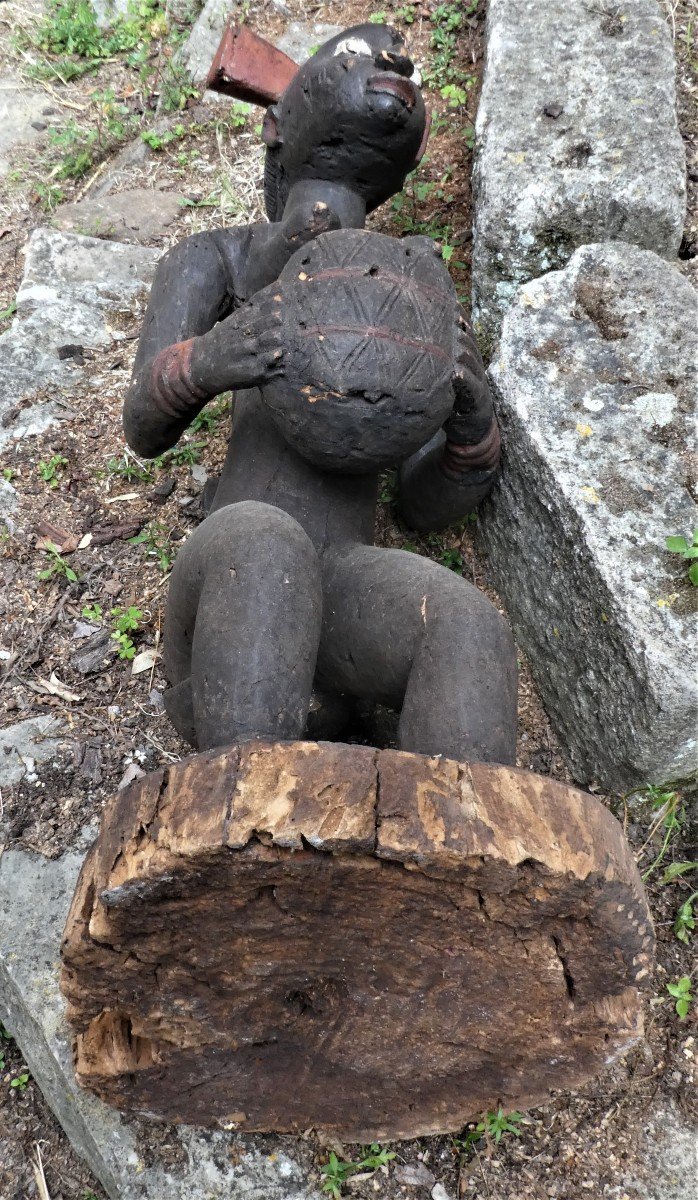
(158, 141)
(8, 312)
(685, 921)
(688, 551)
(126, 468)
(181, 456)
(127, 622)
(454, 95)
(453, 559)
(50, 471)
(206, 420)
(20, 1081)
(4, 1037)
(92, 612)
(156, 540)
(8, 473)
(668, 818)
(682, 993)
(336, 1171)
(493, 1126)
(57, 565)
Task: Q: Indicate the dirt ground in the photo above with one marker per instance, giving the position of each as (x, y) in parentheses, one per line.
(78, 479)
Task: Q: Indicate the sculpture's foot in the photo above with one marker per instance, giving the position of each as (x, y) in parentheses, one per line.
(380, 944)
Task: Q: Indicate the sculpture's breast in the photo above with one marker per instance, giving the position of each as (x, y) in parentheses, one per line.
(369, 329)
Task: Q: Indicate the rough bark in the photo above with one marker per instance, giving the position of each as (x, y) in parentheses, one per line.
(279, 936)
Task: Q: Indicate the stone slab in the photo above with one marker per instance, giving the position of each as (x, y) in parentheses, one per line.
(123, 1154)
(198, 51)
(301, 38)
(577, 141)
(25, 115)
(595, 386)
(25, 744)
(141, 215)
(71, 286)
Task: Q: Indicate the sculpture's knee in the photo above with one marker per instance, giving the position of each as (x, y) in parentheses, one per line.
(261, 528)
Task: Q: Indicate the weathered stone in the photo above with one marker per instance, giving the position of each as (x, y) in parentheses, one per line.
(250, 904)
(9, 501)
(24, 117)
(24, 745)
(141, 215)
(577, 141)
(301, 38)
(106, 11)
(71, 285)
(198, 52)
(34, 898)
(668, 1156)
(595, 381)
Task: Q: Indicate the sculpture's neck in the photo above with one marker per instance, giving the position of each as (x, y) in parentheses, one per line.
(349, 206)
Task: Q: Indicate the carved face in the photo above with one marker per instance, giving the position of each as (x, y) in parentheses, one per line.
(352, 114)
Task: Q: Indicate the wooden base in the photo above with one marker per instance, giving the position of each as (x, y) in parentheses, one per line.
(379, 944)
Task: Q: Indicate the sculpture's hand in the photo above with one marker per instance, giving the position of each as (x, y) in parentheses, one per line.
(301, 225)
(245, 350)
(472, 410)
(273, 245)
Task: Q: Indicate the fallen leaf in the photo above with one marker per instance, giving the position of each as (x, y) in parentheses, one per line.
(145, 661)
(84, 541)
(132, 772)
(118, 499)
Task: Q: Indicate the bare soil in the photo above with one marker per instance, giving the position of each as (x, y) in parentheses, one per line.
(592, 1143)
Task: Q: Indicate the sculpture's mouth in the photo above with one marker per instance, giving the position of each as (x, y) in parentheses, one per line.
(393, 85)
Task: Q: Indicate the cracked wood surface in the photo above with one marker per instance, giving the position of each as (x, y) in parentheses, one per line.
(279, 936)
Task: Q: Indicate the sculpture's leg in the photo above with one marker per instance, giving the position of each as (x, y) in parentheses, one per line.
(402, 630)
(243, 624)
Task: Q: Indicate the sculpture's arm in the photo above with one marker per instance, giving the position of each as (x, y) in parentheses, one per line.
(196, 340)
(192, 290)
(449, 476)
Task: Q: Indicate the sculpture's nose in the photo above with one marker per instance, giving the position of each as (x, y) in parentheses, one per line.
(397, 60)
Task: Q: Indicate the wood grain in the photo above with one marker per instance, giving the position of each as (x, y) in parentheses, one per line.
(374, 943)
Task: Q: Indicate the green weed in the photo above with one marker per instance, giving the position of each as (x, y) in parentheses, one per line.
(51, 471)
(493, 1126)
(127, 622)
(682, 993)
(685, 921)
(336, 1171)
(156, 541)
(20, 1081)
(92, 612)
(126, 468)
(688, 551)
(57, 565)
(9, 312)
(181, 456)
(668, 817)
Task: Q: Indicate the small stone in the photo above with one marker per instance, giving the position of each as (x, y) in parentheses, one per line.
(414, 1175)
(70, 351)
(94, 654)
(438, 1192)
(163, 488)
(553, 111)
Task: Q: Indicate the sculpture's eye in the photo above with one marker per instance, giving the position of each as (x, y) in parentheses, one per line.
(353, 46)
